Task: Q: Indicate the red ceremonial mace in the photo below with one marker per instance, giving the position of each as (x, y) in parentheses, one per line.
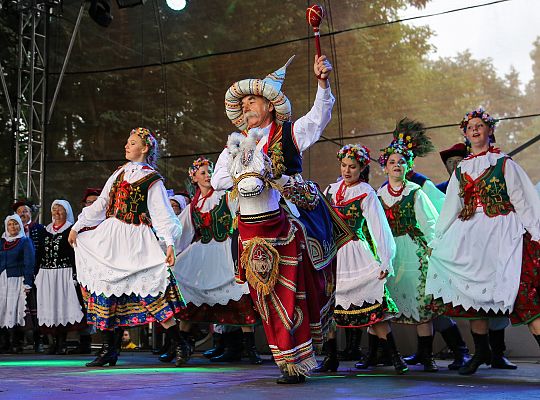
(314, 16)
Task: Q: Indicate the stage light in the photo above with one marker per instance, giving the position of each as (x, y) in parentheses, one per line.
(177, 5)
(100, 12)
(130, 3)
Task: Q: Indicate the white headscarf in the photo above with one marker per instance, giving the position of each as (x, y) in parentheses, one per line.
(21, 233)
(70, 220)
(181, 200)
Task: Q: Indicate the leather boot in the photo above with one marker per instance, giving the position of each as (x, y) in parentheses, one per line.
(390, 347)
(52, 345)
(248, 343)
(218, 346)
(537, 337)
(498, 347)
(482, 354)
(417, 357)
(287, 379)
(38, 341)
(16, 338)
(454, 341)
(61, 345)
(426, 344)
(107, 354)
(371, 359)
(181, 342)
(330, 362)
(169, 348)
(353, 349)
(233, 348)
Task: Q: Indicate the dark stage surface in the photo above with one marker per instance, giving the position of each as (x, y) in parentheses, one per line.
(141, 376)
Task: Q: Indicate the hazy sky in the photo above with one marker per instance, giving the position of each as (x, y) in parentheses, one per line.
(503, 32)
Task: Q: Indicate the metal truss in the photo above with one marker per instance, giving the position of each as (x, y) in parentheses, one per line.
(30, 119)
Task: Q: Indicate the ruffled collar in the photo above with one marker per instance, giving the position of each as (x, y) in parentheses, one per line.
(476, 164)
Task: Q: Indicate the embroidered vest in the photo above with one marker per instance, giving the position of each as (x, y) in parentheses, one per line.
(402, 218)
(215, 224)
(488, 191)
(283, 152)
(128, 201)
(351, 213)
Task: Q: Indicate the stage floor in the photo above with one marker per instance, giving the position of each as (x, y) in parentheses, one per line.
(140, 376)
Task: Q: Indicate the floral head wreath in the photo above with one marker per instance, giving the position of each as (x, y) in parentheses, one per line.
(483, 115)
(149, 140)
(410, 140)
(395, 147)
(198, 163)
(356, 152)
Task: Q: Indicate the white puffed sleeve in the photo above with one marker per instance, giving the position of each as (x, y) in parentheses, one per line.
(434, 194)
(523, 197)
(309, 128)
(380, 230)
(453, 204)
(426, 214)
(95, 214)
(221, 179)
(188, 230)
(164, 221)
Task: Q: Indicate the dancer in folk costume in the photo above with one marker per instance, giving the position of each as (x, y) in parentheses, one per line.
(412, 218)
(481, 259)
(204, 267)
(415, 130)
(259, 106)
(124, 273)
(37, 233)
(361, 297)
(16, 278)
(451, 158)
(59, 303)
(293, 297)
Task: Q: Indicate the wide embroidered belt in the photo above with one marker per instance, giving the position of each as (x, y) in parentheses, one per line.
(303, 194)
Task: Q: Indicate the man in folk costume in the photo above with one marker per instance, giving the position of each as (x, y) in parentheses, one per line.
(259, 107)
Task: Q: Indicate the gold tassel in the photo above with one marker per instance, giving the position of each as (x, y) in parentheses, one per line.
(254, 268)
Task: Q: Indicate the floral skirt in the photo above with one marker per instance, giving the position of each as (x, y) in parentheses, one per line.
(240, 312)
(365, 315)
(107, 313)
(527, 304)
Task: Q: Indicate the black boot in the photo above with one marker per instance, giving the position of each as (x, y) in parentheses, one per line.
(16, 338)
(426, 344)
(353, 350)
(182, 343)
(218, 346)
(330, 362)
(61, 345)
(107, 354)
(537, 337)
(52, 345)
(371, 359)
(417, 357)
(498, 347)
(482, 354)
(454, 341)
(390, 348)
(288, 379)
(248, 342)
(233, 348)
(169, 351)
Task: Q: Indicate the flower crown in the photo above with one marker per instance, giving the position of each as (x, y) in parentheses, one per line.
(355, 152)
(396, 147)
(478, 113)
(198, 163)
(145, 134)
